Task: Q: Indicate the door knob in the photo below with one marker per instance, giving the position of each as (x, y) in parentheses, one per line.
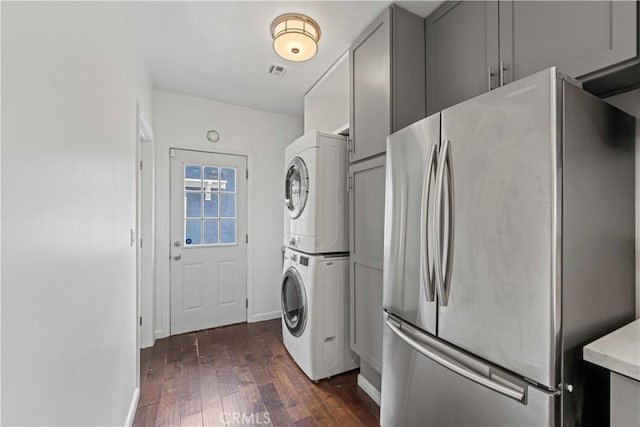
(176, 243)
(177, 257)
(292, 241)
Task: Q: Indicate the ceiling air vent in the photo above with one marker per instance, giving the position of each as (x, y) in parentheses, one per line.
(278, 70)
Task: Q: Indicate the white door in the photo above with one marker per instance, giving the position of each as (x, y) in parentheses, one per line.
(208, 240)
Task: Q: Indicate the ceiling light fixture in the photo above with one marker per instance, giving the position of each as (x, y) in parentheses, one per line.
(295, 37)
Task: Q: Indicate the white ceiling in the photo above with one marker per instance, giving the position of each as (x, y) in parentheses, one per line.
(222, 50)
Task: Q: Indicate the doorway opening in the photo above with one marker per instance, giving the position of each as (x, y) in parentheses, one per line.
(143, 236)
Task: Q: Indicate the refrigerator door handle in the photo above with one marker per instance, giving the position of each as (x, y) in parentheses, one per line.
(498, 385)
(426, 271)
(443, 276)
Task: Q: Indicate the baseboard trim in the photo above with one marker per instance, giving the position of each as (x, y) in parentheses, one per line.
(132, 408)
(264, 316)
(159, 333)
(146, 344)
(368, 388)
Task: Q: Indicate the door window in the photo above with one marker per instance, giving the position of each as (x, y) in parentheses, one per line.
(294, 302)
(296, 187)
(209, 205)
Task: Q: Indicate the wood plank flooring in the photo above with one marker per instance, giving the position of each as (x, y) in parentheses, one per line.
(242, 375)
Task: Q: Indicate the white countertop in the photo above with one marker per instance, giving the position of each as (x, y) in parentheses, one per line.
(619, 351)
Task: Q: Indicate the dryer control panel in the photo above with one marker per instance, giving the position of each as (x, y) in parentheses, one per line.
(303, 260)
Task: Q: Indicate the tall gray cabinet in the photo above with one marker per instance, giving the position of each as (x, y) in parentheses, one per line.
(366, 211)
(473, 47)
(387, 92)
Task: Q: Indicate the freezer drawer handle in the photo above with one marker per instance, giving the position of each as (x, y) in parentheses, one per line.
(426, 271)
(443, 275)
(447, 362)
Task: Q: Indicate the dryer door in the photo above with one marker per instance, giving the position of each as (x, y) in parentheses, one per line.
(296, 187)
(294, 302)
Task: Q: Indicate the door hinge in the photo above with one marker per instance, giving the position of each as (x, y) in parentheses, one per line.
(350, 183)
(246, 303)
(140, 320)
(247, 173)
(246, 238)
(140, 164)
(141, 242)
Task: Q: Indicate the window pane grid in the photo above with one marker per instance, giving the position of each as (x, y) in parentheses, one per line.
(210, 219)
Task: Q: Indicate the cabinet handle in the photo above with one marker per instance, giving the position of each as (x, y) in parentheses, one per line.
(502, 70)
(490, 75)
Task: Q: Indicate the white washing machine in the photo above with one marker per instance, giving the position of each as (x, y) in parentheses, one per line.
(315, 313)
(316, 206)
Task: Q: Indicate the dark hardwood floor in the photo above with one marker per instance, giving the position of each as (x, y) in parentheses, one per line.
(242, 375)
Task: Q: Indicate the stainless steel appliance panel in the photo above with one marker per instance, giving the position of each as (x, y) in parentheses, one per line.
(502, 298)
(419, 391)
(598, 246)
(410, 180)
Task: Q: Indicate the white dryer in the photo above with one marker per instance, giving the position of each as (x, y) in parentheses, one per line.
(315, 194)
(315, 313)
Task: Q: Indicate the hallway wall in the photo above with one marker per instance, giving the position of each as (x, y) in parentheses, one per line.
(70, 80)
(182, 121)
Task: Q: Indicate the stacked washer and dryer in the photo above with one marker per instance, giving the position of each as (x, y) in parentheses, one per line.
(315, 283)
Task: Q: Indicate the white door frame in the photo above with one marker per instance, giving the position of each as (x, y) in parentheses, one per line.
(145, 234)
(223, 151)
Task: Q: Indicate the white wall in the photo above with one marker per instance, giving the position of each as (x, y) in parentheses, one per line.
(630, 102)
(326, 104)
(70, 80)
(182, 121)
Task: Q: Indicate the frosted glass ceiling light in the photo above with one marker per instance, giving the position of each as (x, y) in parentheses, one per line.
(295, 37)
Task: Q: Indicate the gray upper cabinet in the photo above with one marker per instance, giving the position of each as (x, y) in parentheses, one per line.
(387, 80)
(582, 38)
(474, 46)
(462, 52)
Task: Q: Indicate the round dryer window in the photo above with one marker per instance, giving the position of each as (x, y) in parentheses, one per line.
(296, 187)
(294, 302)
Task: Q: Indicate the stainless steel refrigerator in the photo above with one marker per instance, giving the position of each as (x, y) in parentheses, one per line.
(509, 244)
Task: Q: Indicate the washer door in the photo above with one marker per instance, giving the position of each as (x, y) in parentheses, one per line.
(296, 187)
(294, 302)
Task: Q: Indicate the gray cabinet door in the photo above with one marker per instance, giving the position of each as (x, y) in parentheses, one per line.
(366, 213)
(370, 62)
(387, 80)
(625, 395)
(581, 38)
(462, 52)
